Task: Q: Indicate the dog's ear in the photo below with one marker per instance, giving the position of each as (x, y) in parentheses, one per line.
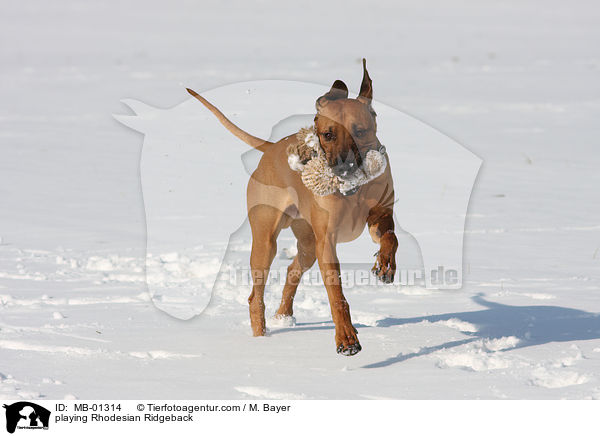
(338, 91)
(366, 87)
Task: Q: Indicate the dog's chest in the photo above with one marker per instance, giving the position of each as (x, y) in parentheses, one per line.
(352, 213)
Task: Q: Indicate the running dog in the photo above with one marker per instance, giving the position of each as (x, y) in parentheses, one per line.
(345, 131)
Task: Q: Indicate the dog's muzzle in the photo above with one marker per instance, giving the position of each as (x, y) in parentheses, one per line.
(348, 173)
(351, 191)
(345, 169)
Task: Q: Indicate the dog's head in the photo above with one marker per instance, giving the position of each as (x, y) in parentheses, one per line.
(346, 126)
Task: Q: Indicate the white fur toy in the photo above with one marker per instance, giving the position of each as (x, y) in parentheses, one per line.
(307, 157)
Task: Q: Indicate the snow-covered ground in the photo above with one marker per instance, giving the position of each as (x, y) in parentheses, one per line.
(517, 84)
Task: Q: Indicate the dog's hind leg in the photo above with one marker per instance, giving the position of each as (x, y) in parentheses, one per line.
(266, 222)
(302, 262)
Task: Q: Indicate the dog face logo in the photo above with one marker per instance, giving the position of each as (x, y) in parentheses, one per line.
(346, 127)
(194, 179)
(26, 415)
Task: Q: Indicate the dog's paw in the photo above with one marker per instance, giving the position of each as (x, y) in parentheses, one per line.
(385, 263)
(349, 350)
(346, 340)
(383, 269)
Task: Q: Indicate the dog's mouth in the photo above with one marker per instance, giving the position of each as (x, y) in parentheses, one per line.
(351, 191)
(372, 166)
(350, 180)
(347, 172)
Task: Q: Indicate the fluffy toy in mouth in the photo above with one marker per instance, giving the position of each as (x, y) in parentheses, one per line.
(307, 157)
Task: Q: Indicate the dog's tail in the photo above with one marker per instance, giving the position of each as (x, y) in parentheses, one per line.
(253, 141)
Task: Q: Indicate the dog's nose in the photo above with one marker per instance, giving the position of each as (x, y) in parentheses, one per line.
(343, 169)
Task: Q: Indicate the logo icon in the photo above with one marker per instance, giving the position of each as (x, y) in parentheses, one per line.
(192, 177)
(26, 415)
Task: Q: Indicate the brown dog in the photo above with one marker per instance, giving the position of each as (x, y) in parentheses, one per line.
(277, 199)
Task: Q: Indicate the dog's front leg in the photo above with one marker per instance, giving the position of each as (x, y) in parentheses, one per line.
(381, 229)
(346, 338)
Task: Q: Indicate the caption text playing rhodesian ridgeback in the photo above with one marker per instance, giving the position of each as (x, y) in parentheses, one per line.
(277, 199)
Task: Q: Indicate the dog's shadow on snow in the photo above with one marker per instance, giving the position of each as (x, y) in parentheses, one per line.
(532, 325)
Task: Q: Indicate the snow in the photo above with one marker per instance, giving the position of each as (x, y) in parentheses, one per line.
(515, 83)
(255, 392)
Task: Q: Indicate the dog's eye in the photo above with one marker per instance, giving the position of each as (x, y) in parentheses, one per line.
(328, 136)
(360, 133)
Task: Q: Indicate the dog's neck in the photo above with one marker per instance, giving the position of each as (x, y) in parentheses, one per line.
(307, 157)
